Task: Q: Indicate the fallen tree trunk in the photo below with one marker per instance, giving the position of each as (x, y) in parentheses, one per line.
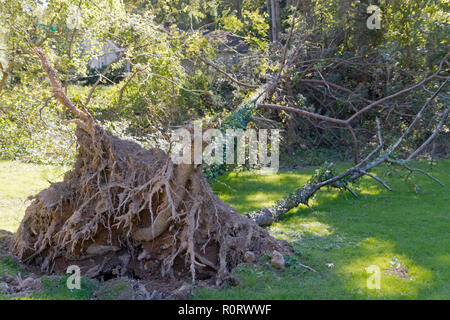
(241, 116)
(266, 216)
(125, 210)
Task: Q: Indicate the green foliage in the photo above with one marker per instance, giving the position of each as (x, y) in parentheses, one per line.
(239, 119)
(8, 266)
(252, 25)
(31, 128)
(55, 288)
(323, 173)
(167, 86)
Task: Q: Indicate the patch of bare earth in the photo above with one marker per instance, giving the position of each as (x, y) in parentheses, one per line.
(399, 272)
(5, 241)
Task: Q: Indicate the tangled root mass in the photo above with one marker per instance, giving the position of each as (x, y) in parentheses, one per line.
(127, 211)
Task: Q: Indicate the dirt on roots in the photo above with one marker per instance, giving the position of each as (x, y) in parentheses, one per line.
(127, 211)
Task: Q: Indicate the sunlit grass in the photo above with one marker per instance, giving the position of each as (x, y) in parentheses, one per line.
(18, 181)
(247, 191)
(340, 237)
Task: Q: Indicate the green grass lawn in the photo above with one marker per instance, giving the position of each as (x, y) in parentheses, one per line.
(339, 238)
(18, 181)
(343, 236)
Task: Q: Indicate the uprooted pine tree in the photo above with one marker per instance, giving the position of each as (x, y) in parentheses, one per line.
(127, 211)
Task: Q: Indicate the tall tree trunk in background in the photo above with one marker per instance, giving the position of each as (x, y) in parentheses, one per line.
(276, 21)
(5, 74)
(237, 7)
(269, 12)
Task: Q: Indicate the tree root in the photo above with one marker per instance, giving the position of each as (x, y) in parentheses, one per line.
(127, 210)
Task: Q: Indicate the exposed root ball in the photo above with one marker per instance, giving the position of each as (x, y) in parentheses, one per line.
(125, 210)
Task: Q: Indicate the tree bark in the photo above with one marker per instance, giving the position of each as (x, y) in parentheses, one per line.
(276, 21)
(5, 75)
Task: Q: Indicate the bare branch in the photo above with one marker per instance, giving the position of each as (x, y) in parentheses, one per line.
(306, 267)
(83, 115)
(122, 89)
(380, 137)
(376, 178)
(286, 46)
(336, 86)
(301, 112)
(430, 138)
(418, 116)
(102, 76)
(401, 92)
(411, 169)
(267, 216)
(215, 67)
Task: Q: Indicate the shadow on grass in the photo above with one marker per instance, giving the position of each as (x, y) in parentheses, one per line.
(406, 229)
